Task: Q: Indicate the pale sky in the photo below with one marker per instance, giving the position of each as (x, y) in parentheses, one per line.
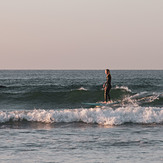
(81, 34)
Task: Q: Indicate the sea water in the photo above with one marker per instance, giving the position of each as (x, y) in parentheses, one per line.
(43, 118)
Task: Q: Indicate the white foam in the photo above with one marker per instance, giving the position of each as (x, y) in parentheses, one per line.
(82, 89)
(146, 97)
(123, 88)
(107, 116)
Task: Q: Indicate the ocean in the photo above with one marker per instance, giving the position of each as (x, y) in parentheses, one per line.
(43, 117)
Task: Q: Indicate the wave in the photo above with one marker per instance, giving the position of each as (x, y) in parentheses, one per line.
(73, 98)
(123, 88)
(82, 89)
(146, 98)
(101, 116)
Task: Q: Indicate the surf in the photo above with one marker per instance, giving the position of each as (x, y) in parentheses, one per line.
(101, 116)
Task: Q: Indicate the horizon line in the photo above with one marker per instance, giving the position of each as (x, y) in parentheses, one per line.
(68, 69)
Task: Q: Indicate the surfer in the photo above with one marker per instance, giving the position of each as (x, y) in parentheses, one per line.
(107, 86)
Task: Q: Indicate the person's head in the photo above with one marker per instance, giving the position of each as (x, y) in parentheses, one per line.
(107, 71)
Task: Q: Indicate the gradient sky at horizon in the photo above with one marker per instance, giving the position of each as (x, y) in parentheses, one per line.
(81, 34)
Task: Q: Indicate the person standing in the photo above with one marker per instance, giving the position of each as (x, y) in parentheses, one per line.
(107, 86)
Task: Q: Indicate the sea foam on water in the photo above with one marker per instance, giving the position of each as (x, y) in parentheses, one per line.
(102, 116)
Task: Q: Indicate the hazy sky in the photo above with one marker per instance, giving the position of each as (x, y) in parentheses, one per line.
(81, 34)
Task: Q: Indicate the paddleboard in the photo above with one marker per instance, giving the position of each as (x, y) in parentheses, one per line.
(100, 104)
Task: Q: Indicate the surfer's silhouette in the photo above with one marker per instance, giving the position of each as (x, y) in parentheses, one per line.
(107, 86)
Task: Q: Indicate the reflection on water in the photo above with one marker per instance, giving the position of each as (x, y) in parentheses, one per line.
(26, 125)
(79, 142)
(46, 126)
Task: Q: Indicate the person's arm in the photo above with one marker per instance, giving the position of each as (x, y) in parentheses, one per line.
(104, 85)
(107, 83)
(110, 80)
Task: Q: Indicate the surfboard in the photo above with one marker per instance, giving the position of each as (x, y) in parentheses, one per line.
(100, 104)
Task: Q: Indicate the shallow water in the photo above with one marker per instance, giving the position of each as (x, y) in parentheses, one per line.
(69, 142)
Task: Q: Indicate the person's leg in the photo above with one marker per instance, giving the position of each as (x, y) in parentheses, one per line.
(105, 95)
(108, 93)
(109, 96)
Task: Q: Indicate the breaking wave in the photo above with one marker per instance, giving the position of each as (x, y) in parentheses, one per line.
(82, 89)
(123, 88)
(101, 116)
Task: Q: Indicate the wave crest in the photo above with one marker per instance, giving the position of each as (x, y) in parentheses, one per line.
(82, 89)
(101, 116)
(123, 88)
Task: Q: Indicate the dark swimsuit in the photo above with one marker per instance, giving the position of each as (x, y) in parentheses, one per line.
(107, 88)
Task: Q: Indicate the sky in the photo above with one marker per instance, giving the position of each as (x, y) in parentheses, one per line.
(81, 34)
